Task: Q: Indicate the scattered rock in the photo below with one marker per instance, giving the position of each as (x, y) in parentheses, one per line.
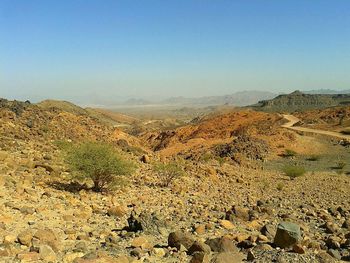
(287, 234)
(25, 238)
(46, 253)
(227, 224)
(199, 246)
(221, 244)
(116, 211)
(179, 238)
(200, 257)
(145, 159)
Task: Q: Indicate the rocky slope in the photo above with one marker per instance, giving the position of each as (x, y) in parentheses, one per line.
(336, 118)
(217, 212)
(205, 134)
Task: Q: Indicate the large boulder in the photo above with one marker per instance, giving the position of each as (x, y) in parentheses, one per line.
(178, 238)
(149, 223)
(221, 244)
(200, 257)
(287, 234)
(238, 212)
(199, 246)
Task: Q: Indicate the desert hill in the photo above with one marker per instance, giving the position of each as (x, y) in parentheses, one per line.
(335, 118)
(101, 115)
(203, 135)
(62, 106)
(298, 101)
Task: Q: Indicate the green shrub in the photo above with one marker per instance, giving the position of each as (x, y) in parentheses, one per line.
(98, 162)
(168, 172)
(294, 171)
(289, 153)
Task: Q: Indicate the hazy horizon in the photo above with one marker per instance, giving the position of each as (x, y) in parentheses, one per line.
(86, 51)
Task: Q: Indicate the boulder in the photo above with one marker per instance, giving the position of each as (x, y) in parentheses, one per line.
(287, 234)
(221, 244)
(269, 231)
(149, 223)
(199, 246)
(141, 242)
(178, 238)
(25, 238)
(238, 212)
(227, 224)
(200, 257)
(335, 254)
(46, 253)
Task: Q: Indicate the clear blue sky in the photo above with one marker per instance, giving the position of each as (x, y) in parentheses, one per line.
(84, 49)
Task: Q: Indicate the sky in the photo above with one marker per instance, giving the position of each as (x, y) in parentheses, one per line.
(90, 51)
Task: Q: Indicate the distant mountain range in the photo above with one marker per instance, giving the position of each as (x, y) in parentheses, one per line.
(241, 98)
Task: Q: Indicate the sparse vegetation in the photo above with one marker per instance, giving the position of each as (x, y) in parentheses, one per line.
(289, 153)
(98, 162)
(220, 160)
(340, 165)
(63, 145)
(294, 171)
(313, 158)
(168, 172)
(206, 157)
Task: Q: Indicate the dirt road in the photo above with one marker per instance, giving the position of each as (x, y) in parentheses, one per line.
(292, 120)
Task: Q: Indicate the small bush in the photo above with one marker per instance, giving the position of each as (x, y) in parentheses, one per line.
(98, 162)
(313, 158)
(289, 153)
(340, 165)
(294, 171)
(168, 172)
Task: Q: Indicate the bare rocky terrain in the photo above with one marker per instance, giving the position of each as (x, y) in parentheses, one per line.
(231, 205)
(299, 101)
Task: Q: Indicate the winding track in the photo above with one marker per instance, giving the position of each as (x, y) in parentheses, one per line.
(292, 120)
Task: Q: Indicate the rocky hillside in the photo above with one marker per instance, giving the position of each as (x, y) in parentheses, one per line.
(298, 101)
(108, 118)
(335, 118)
(204, 134)
(217, 211)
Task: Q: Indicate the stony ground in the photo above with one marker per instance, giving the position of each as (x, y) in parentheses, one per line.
(43, 219)
(217, 212)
